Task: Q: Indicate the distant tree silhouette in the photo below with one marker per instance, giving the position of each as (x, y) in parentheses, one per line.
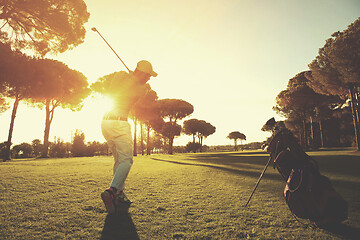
(96, 148)
(298, 103)
(235, 136)
(336, 70)
(93, 148)
(104, 149)
(206, 129)
(37, 146)
(43, 25)
(173, 110)
(155, 141)
(151, 127)
(303, 107)
(169, 131)
(191, 127)
(198, 128)
(23, 150)
(15, 81)
(192, 147)
(59, 149)
(78, 148)
(146, 112)
(57, 85)
(3, 151)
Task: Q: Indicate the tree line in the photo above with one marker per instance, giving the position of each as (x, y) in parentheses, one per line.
(49, 84)
(39, 82)
(321, 105)
(54, 27)
(40, 27)
(58, 148)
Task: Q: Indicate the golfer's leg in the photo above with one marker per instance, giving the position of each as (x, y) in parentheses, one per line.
(125, 159)
(115, 154)
(121, 174)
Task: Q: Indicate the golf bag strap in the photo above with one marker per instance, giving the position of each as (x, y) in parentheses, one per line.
(279, 155)
(286, 180)
(300, 182)
(275, 164)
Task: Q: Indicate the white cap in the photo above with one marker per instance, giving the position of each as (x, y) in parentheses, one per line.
(146, 67)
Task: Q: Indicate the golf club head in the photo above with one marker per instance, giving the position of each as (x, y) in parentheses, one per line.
(94, 29)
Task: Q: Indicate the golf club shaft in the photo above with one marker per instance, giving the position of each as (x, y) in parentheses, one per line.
(95, 30)
(257, 184)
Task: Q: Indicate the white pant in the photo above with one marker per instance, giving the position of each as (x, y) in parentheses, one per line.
(118, 136)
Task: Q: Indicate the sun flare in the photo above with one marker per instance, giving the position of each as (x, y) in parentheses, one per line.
(88, 120)
(101, 104)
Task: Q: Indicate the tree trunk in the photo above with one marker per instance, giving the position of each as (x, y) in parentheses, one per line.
(357, 106)
(135, 145)
(235, 144)
(357, 110)
(148, 152)
(44, 153)
(301, 137)
(355, 117)
(313, 138)
(141, 139)
(13, 115)
(171, 142)
(49, 115)
(194, 141)
(321, 133)
(304, 134)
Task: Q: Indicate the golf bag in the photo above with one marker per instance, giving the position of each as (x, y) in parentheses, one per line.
(308, 194)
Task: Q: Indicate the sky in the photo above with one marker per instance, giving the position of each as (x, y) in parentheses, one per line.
(228, 58)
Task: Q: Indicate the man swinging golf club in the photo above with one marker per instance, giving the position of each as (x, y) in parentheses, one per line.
(126, 89)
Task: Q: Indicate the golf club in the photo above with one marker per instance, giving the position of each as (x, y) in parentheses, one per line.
(257, 184)
(95, 30)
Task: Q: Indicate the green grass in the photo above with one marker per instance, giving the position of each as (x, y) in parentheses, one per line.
(184, 196)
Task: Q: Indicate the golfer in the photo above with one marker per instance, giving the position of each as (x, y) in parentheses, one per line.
(126, 89)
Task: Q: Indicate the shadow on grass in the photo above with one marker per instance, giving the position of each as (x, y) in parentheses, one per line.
(345, 166)
(251, 164)
(254, 174)
(339, 164)
(344, 231)
(233, 158)
(119, 226)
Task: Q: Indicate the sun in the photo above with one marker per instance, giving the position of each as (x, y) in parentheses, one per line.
(99, 104)
(88, 119)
